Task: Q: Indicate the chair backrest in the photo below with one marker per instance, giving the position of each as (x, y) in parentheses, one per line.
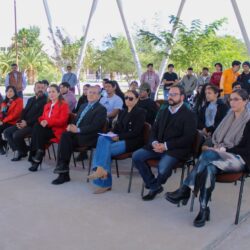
(196, 147)
(160, 102)
(146, 132)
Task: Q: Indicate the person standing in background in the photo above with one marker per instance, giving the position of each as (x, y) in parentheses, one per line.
(70, 78)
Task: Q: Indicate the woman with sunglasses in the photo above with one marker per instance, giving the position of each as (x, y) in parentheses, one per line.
(229, 153)
(127, 137)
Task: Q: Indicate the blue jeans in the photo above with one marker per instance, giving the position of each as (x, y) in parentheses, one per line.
(165, 167)
(165, 92)
(105, 149)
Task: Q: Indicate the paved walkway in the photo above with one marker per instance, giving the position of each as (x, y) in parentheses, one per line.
(35, 215)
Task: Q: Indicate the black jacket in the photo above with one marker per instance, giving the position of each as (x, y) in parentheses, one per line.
(151, 109)
(177, 130)
(222, 109)
(91, 124)
(243, 148)
(33, 110)
(129, 127)
(82, 100)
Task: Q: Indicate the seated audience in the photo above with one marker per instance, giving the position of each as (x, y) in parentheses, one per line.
(89, 121)
(146, 103)
(229, 154)
(237, 85)
(171, 141)
(10, 113)
(67, 95)
(112, 102)
(244, 77)
(16, 134)
(213, 112)
(83, 99)
(128, 137)
(50, 126)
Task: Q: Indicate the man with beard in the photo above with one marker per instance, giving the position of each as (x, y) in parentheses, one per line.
(171, 140)
(23, 128)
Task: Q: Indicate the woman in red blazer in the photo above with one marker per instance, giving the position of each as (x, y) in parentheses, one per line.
(11, 109)
(52, 124)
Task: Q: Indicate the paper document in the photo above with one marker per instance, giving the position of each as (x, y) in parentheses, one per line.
(111, 135)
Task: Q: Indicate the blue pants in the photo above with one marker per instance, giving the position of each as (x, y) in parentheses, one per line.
(105, 149)
(165, 167)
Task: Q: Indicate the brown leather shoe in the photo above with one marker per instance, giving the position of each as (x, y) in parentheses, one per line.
(102, 190)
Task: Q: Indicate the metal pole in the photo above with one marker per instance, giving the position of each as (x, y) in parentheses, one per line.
(241, 24)
(168, 49)
(16, 47)
(84, 42)
(57, 52)
(130, 39)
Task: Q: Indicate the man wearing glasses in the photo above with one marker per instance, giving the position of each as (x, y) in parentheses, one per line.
(171, 139)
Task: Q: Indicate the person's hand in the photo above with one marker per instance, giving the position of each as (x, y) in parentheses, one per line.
(159, 148)
(1, 123)
(72, 128)
(22, 124)
(44, 123)
(115, 138)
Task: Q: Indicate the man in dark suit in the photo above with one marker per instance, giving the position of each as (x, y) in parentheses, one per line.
(90, 120)
(171, 139)
(33, 109)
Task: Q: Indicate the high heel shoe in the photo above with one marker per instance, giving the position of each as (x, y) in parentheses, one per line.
(34, 167)
(202, 217)
(180, 195)
(99, 173)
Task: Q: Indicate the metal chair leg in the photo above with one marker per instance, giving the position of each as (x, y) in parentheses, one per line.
(239, 200)
(142, 188)
(117, 169)
(90, 163)
(74, 160)
(48, 153)
(130, 177)
(192, 202)
(182, 178)
(54, 152)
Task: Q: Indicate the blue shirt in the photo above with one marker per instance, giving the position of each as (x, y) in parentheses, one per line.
(70, 78)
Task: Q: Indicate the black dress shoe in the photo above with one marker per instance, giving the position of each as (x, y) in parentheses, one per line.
(151, 195)
(19, 157)
(34, 167)
(202, 217)
(61, 168)
(181, 194)
(2, 151)
(38, 156)
(61, 179)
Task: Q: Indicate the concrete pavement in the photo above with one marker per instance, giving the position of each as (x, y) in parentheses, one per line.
(35, 215)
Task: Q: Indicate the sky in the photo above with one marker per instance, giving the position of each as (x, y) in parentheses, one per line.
(72, 16)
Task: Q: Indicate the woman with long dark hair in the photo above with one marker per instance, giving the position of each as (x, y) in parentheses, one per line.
(11, 109)
(52, 124)
(128, 137)
(229, 153)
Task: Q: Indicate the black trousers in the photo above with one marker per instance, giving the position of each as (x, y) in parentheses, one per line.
(68, 142)
(40, 137)
(2, 128)
(15, 138)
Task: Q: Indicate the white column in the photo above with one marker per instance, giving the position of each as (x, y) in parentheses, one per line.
(130, 39)
(241, 24)
(57, 51)
(168, 49)
(84, 42)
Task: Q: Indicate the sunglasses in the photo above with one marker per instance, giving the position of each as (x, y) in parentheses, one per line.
(129, 98)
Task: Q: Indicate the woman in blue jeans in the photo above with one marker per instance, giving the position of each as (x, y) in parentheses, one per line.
(229, 154)
(128, 137)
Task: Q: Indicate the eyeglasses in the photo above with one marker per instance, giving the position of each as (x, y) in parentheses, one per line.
(173, 94)
(129, 98)
(234, 99)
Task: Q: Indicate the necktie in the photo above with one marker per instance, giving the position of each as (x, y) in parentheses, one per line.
(88, 107)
